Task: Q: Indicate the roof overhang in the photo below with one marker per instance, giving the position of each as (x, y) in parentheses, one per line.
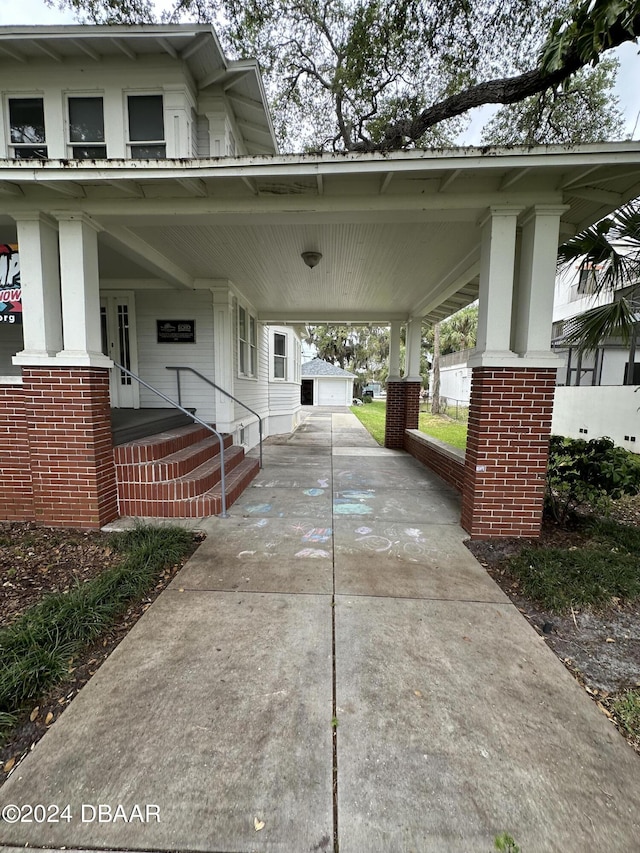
(399, 233)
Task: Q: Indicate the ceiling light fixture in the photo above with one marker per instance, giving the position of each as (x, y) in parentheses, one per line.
(311, 259)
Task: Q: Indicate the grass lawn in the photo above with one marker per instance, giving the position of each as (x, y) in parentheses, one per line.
(372, 416)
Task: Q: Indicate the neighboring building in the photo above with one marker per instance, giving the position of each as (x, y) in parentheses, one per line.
(594, 397)
(455, 377)
(326, 384)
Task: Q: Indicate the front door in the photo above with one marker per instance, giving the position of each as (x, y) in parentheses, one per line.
(118, 325)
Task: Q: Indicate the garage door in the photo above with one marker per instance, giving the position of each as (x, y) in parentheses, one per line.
(331, 394)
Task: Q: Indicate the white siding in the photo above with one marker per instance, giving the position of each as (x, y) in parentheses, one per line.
(593, 412)
(153, 358)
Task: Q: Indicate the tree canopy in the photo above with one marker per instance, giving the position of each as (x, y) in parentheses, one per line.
(387, 74)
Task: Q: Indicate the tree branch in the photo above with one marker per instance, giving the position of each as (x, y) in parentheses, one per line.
(506, 90)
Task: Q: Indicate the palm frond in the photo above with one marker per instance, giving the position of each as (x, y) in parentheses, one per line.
(589, 330)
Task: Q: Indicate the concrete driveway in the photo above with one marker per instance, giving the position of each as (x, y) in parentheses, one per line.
(332, 668)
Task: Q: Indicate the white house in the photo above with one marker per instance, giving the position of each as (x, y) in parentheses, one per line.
(158, 227)
(594, 397)
(326, 384)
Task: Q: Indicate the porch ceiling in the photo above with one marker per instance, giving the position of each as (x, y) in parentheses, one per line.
(399, 234)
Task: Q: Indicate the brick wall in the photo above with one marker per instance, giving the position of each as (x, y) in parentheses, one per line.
(447, 462)
(16, 491)
(507, 448)
(69, 430)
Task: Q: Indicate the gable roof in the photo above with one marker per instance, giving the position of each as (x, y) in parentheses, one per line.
(196, 45)
(319, 367)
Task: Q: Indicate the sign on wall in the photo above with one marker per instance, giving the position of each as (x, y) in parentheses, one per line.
(176, 331)
(10, 289)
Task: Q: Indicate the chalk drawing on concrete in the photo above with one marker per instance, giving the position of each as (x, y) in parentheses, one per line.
(254, 509)
(313, 493)
(323, 482)
(314, 553)
(379, 544)
(317, 534)
(364, 530)
(246, 554)
(351, 508)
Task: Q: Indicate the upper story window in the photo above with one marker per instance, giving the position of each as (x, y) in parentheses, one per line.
(26, 128)
(279, 356)
(86, 129)
(247, 343)
(146, 127)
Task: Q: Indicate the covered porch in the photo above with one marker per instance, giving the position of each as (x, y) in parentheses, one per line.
(404, 238)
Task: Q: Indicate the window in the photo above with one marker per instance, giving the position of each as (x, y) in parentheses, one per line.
(247, 343)
(279, 356)
(86, 129)
(146, 127)
(26, 128)
(588, 280)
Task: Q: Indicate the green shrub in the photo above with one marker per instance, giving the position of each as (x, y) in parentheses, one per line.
(587, 472)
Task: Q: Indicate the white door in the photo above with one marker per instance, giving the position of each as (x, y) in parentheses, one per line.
(118, 325)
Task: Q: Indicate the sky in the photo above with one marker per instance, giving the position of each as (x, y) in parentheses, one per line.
(628, 83)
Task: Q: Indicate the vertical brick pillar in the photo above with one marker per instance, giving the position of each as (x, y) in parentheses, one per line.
(16, 491)
(507, 449)
(69, 429)
(411, 405)
(396, 416)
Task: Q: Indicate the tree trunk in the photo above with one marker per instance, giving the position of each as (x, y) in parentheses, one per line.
(435, 391)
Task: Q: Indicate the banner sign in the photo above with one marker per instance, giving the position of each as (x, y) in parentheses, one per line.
(10, 290)
(176, 331)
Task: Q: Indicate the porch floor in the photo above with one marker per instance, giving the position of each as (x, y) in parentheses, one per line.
(130, 424)
(333, 668)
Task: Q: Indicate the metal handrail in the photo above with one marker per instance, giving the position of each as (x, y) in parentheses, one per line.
(222, 391)
(223, 513)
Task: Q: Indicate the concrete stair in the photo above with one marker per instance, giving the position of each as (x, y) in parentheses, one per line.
(176, 474)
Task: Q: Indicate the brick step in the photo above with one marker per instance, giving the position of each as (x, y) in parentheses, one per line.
(156, 446)
(190, 485)
(173, 466)
(208, 503)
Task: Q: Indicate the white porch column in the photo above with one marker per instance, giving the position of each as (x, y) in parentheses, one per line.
(497, 268)
(394, 351)
(40, 278)
(535, 285)
(224, 342)
(413, 347)
(82, 343)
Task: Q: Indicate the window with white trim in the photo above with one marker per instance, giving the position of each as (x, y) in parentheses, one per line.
(279, 356)
(85, 128)
(146, 127)
(27, 138)
(247, 343)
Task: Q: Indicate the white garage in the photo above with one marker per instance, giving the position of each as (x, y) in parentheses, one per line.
(325, 384)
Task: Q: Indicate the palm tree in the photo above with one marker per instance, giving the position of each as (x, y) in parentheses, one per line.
(610, 250)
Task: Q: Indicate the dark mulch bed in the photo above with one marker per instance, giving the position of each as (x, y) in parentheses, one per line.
(35, 561)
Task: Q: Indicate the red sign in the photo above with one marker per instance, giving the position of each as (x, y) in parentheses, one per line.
(10, 289)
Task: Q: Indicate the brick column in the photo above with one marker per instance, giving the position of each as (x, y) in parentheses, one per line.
(16, 491)
(396, 416)
(411, 405)
(507, 449)
(69, 432)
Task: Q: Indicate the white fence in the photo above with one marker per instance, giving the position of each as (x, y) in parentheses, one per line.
(594, 411)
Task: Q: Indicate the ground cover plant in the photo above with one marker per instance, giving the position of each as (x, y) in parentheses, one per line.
(67, 598)
(438, 426)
